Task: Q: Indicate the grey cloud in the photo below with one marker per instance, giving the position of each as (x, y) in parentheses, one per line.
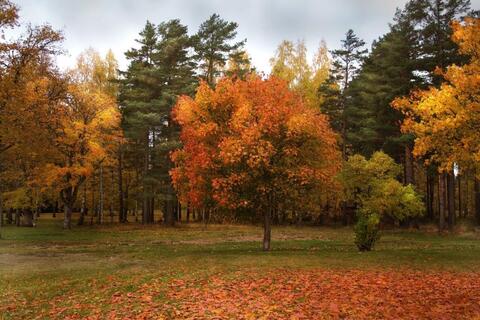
(114, 24)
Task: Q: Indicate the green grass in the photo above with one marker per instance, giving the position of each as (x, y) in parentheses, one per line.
(39, 264)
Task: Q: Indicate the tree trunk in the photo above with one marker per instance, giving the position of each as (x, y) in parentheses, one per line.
(188, 212)
(267, 228)
(477, 200)
(169, 218)
(94, 203)
(34, 216)
(343, 208)
(68, 197)
(122, 217)
(409, 174)
(430, 192)
(179, 211)
(67, 219)
(451, 200)
(101, 200)
(126, 200)
(112, 192)
(146, 169)
(28, 218)
(1, 215)
(83, 209)
(152, 210)
(54, 215)
(145, 209)
(467, 197)
(460, 202)
(441, 201)
(344, 139)
(17, 217)
(10, 216)
(135, 210)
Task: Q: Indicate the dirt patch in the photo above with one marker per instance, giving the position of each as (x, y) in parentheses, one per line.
(18, 264)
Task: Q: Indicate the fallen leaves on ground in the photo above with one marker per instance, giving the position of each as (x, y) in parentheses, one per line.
(286, 294)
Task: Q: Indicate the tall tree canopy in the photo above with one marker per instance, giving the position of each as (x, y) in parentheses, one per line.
(160, 70)
(346, 63)
(214, 46)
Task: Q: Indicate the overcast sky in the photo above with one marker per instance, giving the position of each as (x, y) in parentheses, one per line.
(105, 24)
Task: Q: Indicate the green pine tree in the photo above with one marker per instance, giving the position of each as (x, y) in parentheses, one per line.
(347, 62)
(432, 21)
(159, 71)
(214, 46)
(405, 58)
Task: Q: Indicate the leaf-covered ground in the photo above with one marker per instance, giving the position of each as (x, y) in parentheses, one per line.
(131, 272)
(281, 294)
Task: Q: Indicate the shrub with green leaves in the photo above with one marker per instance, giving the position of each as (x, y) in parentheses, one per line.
(366, 231)
(373, 187)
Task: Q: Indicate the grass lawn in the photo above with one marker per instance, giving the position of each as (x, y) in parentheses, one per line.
(131, 271)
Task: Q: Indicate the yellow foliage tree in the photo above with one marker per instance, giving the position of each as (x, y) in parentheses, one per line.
(84, 130)
(446, 120)
(290, 63)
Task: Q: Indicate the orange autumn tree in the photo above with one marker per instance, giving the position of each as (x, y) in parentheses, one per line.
(446, 120)
(251, 144)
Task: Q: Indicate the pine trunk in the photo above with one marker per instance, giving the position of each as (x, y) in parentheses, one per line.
(169, 217)
(145, 209)
(451, 200)
(1, 215)
(146, 202)
(10, 216)
(122, 216)
(17, 217)
(126, 201)
(100, 204)
(146, 193)
(409, 174)
(441, 201)
(467, 197)
(152, 210)
(460, 202)
(179, 206)
(83, 209)
(112, 192)
(94, 202)
(477, 200)
(430, 192)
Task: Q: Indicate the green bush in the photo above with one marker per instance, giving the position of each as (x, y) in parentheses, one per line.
(367, 231)
(372, 186)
